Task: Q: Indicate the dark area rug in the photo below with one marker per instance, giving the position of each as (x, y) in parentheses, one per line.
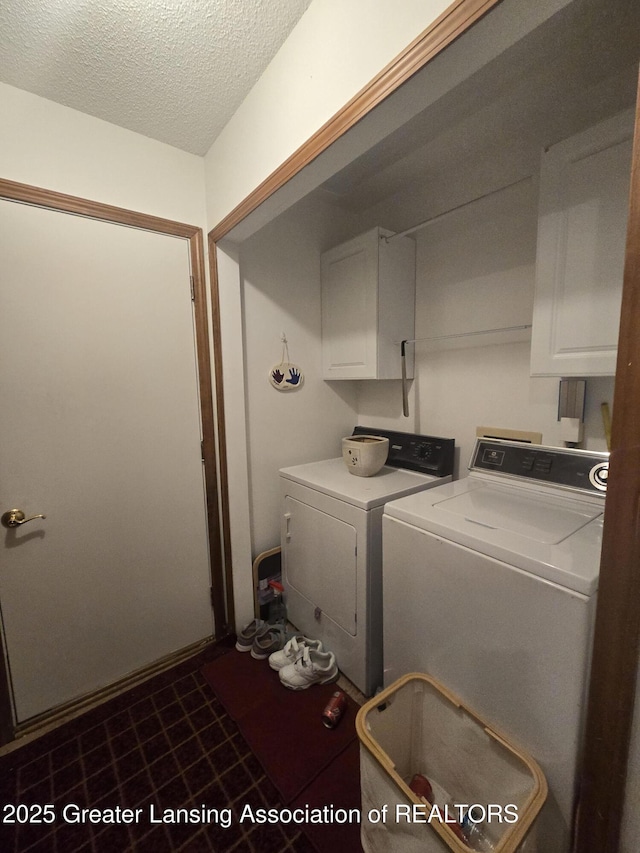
(339, 785)
(283, 727)
(170, 744)
(165, 744)
(307, 763)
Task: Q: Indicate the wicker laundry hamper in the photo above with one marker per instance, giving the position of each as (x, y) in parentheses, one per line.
(416, 726)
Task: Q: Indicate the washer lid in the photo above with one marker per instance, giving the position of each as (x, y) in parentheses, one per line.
(331, 477)
(556, 538)
(540, 519)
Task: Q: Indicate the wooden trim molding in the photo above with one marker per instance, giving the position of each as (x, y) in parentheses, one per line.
(62, 714)
(205, 379)
(26, 194)
(216, 323)
(93, 209)
(617, 631)
(442, 32)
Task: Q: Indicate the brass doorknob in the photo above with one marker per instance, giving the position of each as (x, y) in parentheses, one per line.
(15, 517)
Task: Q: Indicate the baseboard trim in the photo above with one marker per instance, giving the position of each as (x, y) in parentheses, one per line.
(37, 726)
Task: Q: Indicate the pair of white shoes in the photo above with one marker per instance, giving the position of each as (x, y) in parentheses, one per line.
(303, 662)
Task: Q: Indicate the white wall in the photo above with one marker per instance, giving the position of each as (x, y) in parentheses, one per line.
(57, 148)
(335, 50)
(232, 345)
(475, 270)
(280, 272)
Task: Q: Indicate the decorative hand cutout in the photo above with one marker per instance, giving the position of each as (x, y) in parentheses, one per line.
(286, 376)
(295, 376)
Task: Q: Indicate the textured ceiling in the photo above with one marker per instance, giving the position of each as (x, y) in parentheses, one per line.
(173, 70)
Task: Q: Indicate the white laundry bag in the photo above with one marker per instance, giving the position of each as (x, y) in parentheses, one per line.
(486, 793)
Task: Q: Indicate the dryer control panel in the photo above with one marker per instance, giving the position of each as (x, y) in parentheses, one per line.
(569, 467)
(427, 454)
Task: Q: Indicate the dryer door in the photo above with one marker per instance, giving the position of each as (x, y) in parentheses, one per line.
(320, 553)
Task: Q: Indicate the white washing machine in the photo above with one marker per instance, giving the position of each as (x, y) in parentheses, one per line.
(490, 586)
(332, 545)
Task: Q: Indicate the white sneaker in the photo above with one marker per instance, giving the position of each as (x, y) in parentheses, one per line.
(312, 667)
(292, 651)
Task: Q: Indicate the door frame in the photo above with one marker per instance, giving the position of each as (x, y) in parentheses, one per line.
(39, 197)
(617, 632)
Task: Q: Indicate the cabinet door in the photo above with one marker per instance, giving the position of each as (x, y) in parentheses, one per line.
(349, 309)
(584, 196)
(320, 563)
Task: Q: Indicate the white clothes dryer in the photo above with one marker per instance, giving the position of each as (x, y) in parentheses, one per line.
(331, 541)
(490, 586)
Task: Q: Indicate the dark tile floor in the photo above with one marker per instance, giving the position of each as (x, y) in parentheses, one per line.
(166, 744)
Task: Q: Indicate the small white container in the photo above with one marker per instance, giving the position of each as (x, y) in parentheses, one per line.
(364, 455)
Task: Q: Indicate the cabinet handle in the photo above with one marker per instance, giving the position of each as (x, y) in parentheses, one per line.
(287, 532)
(405, 390)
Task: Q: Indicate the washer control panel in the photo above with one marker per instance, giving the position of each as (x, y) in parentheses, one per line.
(424, 453)
(570, 467)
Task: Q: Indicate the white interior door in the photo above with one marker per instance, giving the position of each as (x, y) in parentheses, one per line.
(100, 431)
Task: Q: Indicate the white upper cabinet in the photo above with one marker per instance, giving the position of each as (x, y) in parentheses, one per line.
(584, 197)
(368, 306)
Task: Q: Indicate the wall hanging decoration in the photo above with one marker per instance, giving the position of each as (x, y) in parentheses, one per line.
(286, 376)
